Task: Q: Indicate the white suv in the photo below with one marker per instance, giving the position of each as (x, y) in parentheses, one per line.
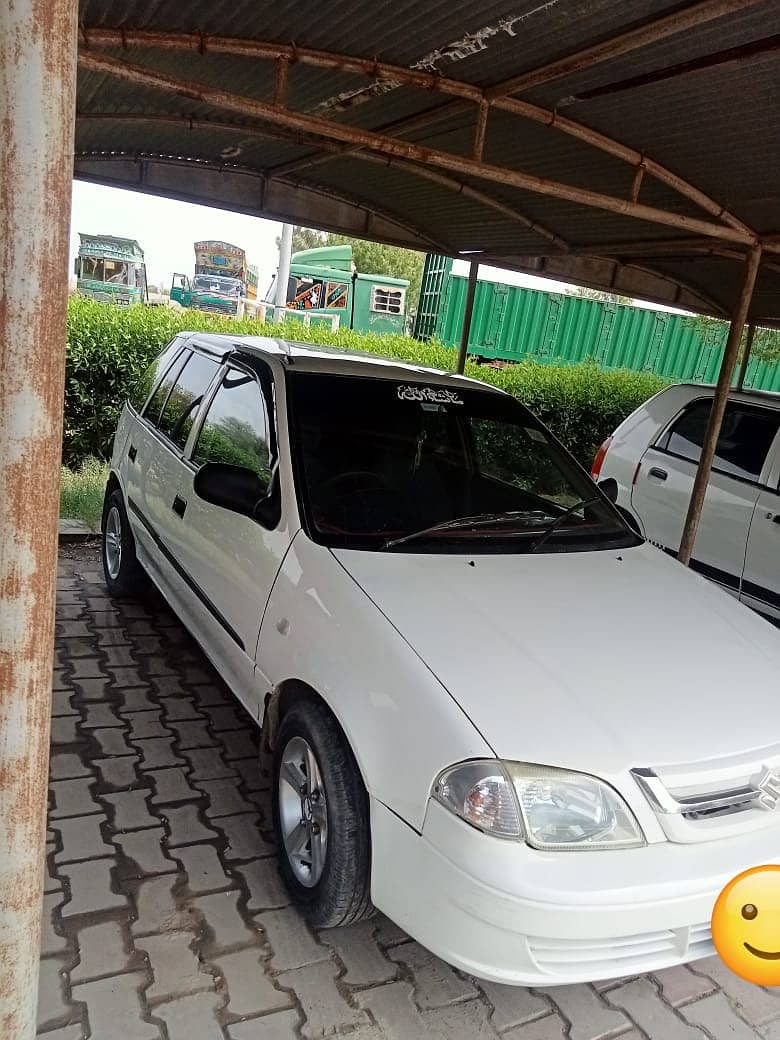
(653, 457)
(536, 743)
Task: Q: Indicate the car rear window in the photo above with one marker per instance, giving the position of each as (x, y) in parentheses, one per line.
(744, 442)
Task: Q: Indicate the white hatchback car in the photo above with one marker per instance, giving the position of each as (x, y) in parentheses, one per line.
(653, 456)
(535, 742)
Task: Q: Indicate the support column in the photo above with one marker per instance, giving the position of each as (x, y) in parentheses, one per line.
(468, 311)
(283, 272)
(751, 331)
(37, 112)
(719, 406)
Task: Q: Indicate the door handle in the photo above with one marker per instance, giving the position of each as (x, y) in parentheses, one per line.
(131, 453)
(179, 505)
(775, 518)
(654, 471)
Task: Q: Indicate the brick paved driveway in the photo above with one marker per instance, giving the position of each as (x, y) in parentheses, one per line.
(164, 916)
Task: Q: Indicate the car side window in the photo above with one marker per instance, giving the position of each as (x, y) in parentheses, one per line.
(160, 396)
(235, 429)
(744, 442)
(186, 397)
(151, 376)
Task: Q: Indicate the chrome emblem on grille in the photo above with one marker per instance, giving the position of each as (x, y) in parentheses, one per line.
(769, 786)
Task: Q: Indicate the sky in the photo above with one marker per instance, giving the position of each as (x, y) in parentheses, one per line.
(166, 231)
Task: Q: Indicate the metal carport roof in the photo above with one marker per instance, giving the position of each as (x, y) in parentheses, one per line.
(631, 146)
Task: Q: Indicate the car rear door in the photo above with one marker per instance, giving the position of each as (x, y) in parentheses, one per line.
(761, 579)
(664, 482)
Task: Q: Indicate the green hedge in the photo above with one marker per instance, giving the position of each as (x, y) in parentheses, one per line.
(110, 347)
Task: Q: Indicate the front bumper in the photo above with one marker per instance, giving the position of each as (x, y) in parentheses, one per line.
(508, 913)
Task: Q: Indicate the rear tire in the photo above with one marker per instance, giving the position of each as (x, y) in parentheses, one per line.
(321, 818)
(123, 573)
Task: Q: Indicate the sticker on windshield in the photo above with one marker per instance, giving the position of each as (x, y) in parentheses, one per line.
(435, 395)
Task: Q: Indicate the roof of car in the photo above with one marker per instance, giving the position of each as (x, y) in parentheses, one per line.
(764, 397)
(325, 359)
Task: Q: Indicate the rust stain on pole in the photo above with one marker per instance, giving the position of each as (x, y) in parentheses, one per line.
(718, 406)
(37, 104)
(751, 331)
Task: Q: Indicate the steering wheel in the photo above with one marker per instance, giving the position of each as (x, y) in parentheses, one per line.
(355, 481)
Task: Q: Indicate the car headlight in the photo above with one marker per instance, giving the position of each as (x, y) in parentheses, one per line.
(548, 808)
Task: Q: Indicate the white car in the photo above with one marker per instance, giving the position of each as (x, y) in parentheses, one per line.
(653, 457)
(536, 743)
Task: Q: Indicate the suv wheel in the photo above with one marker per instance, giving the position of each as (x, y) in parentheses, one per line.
(123, 573)
(321, 818)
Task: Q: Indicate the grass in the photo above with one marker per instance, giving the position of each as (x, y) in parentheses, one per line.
(82, 491)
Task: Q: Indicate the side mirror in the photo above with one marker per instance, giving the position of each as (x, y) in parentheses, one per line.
(230, 487)
(610, 488)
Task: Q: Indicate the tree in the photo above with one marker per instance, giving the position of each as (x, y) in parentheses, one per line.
(766, 342)
(368, 257)
(586, 293)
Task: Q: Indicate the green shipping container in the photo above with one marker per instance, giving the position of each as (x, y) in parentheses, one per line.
(512, 323)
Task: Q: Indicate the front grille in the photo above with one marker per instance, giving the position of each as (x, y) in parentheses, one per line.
(608, 958)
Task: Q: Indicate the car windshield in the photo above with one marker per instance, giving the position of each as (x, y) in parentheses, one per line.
(432, 467)
(216, 283)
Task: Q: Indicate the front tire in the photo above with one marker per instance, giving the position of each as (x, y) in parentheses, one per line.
(321, 818)
(123, 573)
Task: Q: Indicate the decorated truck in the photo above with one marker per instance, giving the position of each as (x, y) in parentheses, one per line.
(111, 269)
(324, 281)
(222, 281)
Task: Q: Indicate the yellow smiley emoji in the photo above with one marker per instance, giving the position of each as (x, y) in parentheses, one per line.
(746, 925)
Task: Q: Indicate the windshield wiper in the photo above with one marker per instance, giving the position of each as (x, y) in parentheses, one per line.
(551, 528)
(480, 520)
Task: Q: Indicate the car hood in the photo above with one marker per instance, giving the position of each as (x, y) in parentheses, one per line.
(599, 661)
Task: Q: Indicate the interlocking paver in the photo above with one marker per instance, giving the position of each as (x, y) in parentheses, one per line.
(185, 826)
(192, 734)
(157, 910)
(718, 1018)
(251, 774)
(131, 812)
(435, 982)
(51, 941)
(266, 888)
(224, 798)
(64, 765)
(118, 772)
(281, 1026)
(139, 699)
(243, 836)
(239, 743)
(66, 1033)
(191, 1018)
(251, 991)
(52, 1007)
(292, 943)
(172, 785)
(144, 854)
(222, 917)
(207, 764)
(127, 677)
(679, 985)
(590, 1017)
(51, 883)
(101, 952)
(758, 1006)
(176, 969)
(222, 717)
(356, 948)
(63, 731)
(513, 1005)
(99, 715)
(113, 742)
(95, 689)
(467, 1021)
(157, 753)
(394, 1009)
(90, 887)
(62, 704)
(81, 838)
(203, 867)
(550, 1028)
(73, 797)
(178, 709)
(114, 1008)
(118, 657)
(145, 724)
(208, 693)
(324, 1007)
(642, 1001)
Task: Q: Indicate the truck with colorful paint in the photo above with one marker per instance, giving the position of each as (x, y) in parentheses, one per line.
(222, 281)
(111, 269)
(324, 282)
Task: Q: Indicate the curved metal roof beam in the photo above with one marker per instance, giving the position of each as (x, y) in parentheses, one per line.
(398, 75)
(383, 145)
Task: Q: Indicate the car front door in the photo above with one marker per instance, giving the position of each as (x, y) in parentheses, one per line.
(663, 485)
(233, 559)
(761, 580)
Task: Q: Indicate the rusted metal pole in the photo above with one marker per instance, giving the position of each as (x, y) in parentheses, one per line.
(719, 406)
(751, 331)
(37, 107)
(468, 311)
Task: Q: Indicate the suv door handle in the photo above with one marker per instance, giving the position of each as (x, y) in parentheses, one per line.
(179, 505)
(131, 453)
(654, 471)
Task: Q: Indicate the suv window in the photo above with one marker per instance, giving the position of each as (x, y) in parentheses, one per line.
(745, 438)
(185, 398)
(151, 376)
(235, 429)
